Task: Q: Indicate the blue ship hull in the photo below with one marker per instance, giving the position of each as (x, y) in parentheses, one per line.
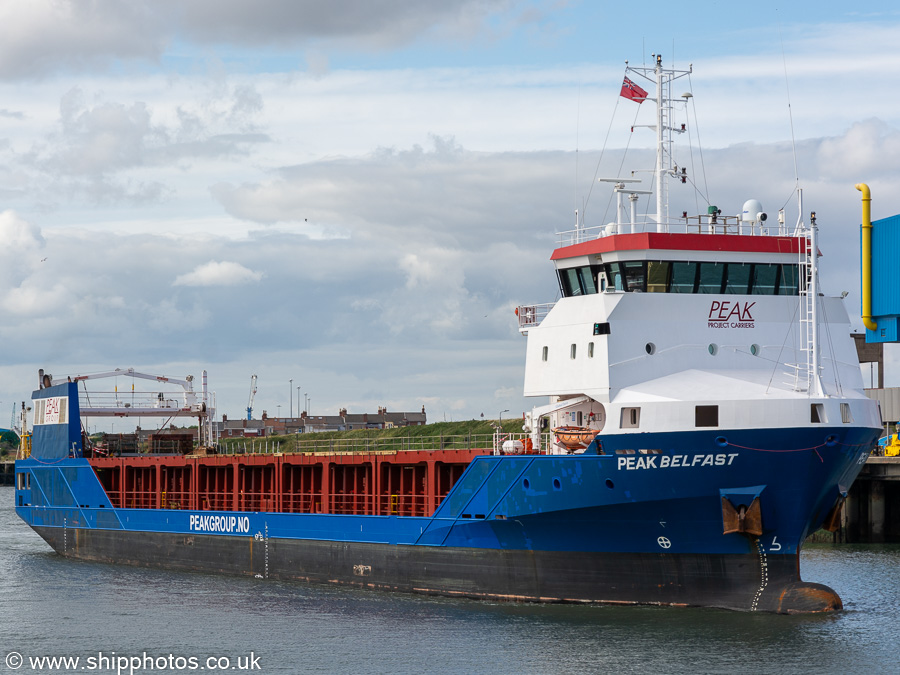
(615, 527)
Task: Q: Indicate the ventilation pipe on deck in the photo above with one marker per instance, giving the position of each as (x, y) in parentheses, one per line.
(866, 230)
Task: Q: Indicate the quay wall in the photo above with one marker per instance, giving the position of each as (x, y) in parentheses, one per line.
(871, 513)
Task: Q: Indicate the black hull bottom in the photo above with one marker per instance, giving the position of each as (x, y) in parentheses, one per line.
(748, 582)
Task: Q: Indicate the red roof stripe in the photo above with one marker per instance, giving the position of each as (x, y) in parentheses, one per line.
(642, 241)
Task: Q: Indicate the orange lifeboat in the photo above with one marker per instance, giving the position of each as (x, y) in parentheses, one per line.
(574, 438)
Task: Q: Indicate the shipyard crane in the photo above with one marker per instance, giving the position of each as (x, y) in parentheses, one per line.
(252, 394)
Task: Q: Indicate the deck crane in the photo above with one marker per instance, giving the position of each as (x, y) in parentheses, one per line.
(252, 394)
(112, 404)
(139, 403)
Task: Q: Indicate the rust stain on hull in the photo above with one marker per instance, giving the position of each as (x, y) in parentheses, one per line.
(808, 598)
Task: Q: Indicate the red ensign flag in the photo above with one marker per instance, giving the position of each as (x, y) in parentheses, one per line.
(632, 92)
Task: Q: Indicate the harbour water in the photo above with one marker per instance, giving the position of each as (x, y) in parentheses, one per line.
(50, 606)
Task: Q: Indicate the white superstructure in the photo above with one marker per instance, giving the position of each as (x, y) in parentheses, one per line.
(699, 322)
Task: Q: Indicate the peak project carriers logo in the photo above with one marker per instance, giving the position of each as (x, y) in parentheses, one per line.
(727, 314)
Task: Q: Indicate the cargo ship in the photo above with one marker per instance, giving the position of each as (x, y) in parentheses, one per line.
(701, 411)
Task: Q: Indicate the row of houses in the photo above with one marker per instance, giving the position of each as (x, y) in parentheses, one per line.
(273, 426)
(343, 421)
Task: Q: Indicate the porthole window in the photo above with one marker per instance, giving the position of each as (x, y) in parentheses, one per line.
(650, 348)
(544, 354)
(572, 352)
(590, 350)
(754, 349)
(713, 349)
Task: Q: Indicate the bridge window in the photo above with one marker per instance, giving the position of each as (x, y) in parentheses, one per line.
(711, 275)
(765, 279)
(657, 276)
(614, 276)
(578, 281)
(666, 276)
(737, 279)
(789, 280)
(684, 277)
(635, 276)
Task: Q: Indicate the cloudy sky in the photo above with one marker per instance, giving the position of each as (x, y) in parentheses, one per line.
(354, 195)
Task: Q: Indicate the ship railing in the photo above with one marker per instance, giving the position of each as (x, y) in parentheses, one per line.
(256, 501)
(215, 501)
(518, 443)
(175, 499)
(701, 224)
(350, 503)
(364, 445)
(151, 498)
(358, 503)
(403, 505)
(396, 504)
(532, 315)
(302, 502)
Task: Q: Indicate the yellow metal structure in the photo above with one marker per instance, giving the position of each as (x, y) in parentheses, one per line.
(867, 320)
(24, 446)
(892, 449)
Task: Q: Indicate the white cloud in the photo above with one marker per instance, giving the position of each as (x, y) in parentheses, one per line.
(74, 35)
(375, 23)
(226, 273)
(869, 148)
(80, 36)
(21, 254)
(19, 237)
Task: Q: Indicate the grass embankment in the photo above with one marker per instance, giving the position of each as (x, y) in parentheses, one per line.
(446, 435)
